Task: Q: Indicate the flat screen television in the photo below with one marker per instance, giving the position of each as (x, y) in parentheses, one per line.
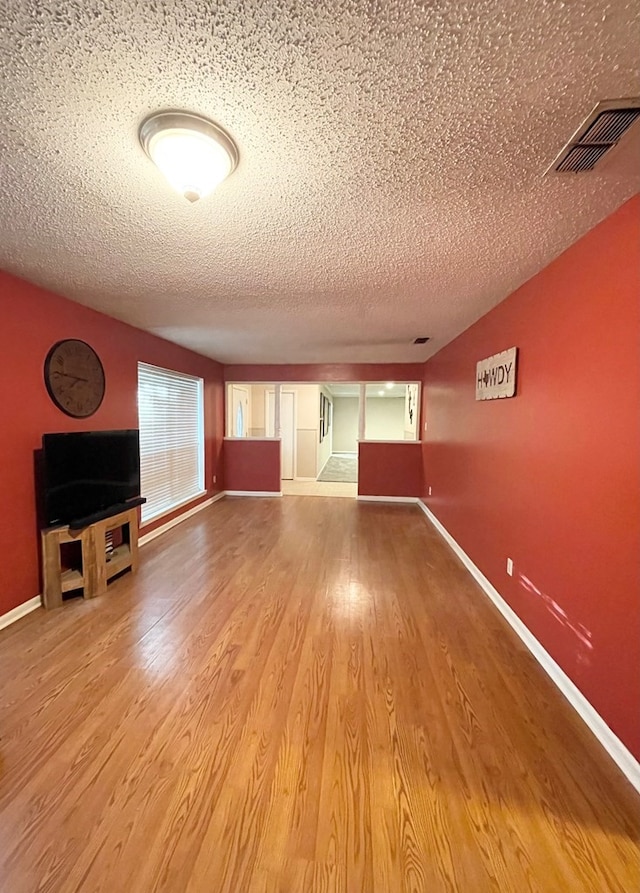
(89, 473)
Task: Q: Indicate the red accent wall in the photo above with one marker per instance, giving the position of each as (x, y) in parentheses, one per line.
(389, 469)
(551, 478)
(327, 372)
(252, 465)
(32, 321)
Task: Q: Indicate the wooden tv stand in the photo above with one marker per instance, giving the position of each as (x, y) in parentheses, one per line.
(96, 569)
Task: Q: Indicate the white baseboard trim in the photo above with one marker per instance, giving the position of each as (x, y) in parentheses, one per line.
(147, 537)
(618, 752)
(253, 492)
(20, 611)
(409, 499)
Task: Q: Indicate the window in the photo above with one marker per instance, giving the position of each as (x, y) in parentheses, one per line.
(170, 417)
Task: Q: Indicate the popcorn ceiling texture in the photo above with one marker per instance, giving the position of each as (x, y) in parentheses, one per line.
(392, 157)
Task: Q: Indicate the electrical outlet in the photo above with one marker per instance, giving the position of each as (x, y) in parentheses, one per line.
(429, 491)
(510, 567)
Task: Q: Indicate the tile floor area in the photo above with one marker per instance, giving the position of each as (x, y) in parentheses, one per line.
(319, 488)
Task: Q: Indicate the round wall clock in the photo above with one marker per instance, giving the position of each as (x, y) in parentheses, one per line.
(74, 377)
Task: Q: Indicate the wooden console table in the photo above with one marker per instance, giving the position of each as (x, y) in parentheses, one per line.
(97, 568)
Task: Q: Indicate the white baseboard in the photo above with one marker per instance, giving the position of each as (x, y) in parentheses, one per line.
(20, 611)
(618, 752)
(147, 537)
(253, 492)
(410, 499)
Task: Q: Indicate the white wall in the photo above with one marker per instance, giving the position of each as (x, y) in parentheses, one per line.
(385, 418)
(411, 412)
(345, 424)
(307, 432)
(257, 420)
(324, 448)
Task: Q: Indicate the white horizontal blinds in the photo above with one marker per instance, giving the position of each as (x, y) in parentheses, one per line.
(170, 416)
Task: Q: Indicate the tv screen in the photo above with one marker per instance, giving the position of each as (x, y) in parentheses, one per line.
(86, 472)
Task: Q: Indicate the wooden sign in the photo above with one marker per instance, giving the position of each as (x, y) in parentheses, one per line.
(496, 376)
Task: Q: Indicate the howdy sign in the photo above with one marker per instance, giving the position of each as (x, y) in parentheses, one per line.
(496, 376)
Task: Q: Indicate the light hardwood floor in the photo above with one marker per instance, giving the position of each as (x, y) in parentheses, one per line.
(298, 695)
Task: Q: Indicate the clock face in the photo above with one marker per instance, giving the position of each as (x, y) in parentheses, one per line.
(74, 377)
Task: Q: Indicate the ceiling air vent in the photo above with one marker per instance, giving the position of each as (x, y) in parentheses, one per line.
(603, 129)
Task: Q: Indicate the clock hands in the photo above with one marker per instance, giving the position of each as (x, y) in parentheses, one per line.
(76, 378)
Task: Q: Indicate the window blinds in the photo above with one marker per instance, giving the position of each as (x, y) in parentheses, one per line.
(170, 417)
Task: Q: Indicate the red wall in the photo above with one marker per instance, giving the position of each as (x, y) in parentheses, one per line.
(252, 465)
(327, 372)
(389, 469)
(32, 321)
(551, 478)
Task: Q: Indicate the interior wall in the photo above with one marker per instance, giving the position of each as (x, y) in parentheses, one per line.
(257, 419)
(32, 321)
(345, 424)
(411, 413)
(390, 468)
(307, 403)
(384, 418)
(307, 415)
(551, 477)
(252, 465)
(326, 447)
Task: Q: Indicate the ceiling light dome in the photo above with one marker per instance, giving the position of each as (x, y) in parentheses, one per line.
(193, 153)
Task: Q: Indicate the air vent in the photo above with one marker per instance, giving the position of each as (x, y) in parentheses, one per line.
(610, 126)
(582, 158)
(420, 340)
(603, 129)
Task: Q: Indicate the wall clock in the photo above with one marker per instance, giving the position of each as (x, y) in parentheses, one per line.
(74, 377)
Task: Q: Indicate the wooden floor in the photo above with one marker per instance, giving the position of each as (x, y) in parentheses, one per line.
(294, 695)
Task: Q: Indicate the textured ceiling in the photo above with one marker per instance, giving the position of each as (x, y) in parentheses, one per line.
(391, 180)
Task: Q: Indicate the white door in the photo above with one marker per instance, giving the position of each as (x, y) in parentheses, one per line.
(287, 430)
(287, 433)
(239, 411)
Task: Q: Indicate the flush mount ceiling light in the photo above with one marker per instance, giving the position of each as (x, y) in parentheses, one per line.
(193, 153)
